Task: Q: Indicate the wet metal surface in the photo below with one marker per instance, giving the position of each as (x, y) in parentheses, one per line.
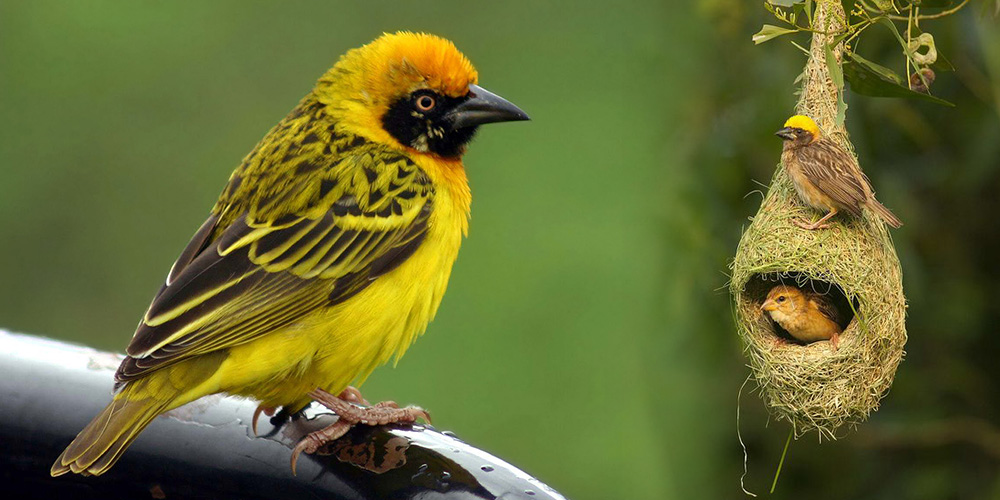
(49, 390)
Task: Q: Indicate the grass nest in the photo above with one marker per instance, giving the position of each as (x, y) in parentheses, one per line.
(815, 387)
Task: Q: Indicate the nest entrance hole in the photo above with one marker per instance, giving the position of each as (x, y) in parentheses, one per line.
(757, 288)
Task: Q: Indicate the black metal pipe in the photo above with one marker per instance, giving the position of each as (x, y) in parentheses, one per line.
(49, 390)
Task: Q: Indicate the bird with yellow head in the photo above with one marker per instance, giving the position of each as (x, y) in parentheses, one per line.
(327, 253)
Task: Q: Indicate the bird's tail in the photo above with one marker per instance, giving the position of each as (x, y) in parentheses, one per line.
(99, 445)
(886, 215)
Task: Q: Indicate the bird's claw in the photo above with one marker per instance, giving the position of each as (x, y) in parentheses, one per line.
(386, 412)
(811, 226)
(315, 440)
(256, 414)
(349, 412)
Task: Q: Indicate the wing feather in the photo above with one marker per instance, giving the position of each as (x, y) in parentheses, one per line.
(198, 243)
(264, 272)
(833, 170)
(823, 302)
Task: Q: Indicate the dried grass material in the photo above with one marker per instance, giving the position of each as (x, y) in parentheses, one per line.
(812, 386)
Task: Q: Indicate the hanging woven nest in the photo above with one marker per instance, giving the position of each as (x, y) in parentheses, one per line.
(853, 262)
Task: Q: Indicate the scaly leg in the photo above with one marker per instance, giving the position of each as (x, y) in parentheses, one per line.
(349, 413)
(351, 394)
(820, 224)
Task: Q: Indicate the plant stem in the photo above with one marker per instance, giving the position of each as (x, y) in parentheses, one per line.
(781, 462)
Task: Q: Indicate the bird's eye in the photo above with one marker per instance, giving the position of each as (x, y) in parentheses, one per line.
(781, 298)
(425, 103)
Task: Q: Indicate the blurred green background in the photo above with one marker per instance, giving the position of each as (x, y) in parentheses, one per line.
(586, 335)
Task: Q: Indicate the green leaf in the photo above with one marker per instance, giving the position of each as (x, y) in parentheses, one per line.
(882, 72)
(884, 5)
(942, 64)
(835, 72)
(784, 3)
(899, 38)
(837, 75)
(839, 39)
(888, 22)
(870, 79)
(798, 9)
(769, 31)
(841, 110)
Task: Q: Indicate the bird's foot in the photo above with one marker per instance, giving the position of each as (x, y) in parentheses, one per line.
(351, 395)
(811, 226)
(277, 417)
(835, 341)
(349, 413)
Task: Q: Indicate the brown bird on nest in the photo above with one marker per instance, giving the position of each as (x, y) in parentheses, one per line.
(825, 175)
(805, 315)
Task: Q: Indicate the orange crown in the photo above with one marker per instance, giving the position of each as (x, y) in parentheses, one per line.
(396, 64)
(367, 80)
(417, 58)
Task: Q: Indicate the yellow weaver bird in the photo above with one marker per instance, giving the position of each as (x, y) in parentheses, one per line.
(807, 316)
(327, 253)
(825, 175)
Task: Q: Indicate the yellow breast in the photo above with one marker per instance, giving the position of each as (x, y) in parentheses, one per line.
(385, 318)
(341, 345)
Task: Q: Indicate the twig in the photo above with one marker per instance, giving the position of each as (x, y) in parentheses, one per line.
(939, 15)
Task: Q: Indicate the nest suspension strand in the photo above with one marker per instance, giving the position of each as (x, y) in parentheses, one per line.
(815, 387)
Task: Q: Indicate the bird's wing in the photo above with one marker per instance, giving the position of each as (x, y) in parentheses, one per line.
(367, 215)
(833, 171)
(825, 306)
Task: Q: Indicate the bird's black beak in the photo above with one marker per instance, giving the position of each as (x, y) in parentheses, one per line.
(787, 133)
(483, 106)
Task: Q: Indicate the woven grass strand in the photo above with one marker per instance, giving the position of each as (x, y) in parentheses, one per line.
(814, 387)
